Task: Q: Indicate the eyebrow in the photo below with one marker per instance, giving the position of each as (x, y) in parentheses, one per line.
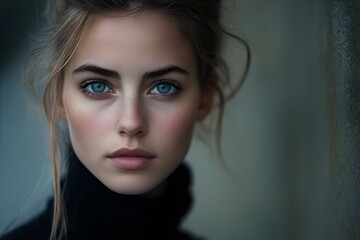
(97, 70)
(113, 74)
(165, 70)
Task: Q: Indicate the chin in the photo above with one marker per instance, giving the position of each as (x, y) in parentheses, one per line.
(135, 187)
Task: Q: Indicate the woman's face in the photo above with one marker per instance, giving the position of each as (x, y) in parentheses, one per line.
(131, 98)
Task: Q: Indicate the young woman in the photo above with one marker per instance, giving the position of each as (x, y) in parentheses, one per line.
(127, 80)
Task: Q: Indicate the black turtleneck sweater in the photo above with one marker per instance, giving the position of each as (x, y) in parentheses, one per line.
(95, 212)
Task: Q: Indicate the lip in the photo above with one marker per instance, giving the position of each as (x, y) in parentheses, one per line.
(131, 159)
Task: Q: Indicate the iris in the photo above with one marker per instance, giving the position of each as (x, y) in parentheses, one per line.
(97, 87)
(164, 88)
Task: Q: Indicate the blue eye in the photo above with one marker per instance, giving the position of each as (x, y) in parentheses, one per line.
(164, 88)
(95, 88)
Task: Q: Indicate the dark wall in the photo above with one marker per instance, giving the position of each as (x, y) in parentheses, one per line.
(17, 19)
(344, 94)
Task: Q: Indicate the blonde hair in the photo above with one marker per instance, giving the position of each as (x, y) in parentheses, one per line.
(51, 89)
(68, 21)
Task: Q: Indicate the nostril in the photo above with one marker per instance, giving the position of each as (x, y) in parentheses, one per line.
(134, 132)
(132, 121)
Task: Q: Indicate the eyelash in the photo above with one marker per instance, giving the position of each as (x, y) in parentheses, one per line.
(174, 84)
(86, 83)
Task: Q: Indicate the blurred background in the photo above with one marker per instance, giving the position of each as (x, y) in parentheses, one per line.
(290, 136)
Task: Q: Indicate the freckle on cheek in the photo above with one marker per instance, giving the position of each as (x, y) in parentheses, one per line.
(91, 121)
(84, 122)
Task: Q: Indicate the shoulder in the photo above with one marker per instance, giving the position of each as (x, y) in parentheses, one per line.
(37, 228)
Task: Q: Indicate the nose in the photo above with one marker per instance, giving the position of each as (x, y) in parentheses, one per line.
(132, 119)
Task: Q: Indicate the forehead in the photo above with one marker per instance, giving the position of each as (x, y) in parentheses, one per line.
(118, 39)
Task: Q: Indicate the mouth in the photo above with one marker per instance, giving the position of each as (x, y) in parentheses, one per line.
(131, 159)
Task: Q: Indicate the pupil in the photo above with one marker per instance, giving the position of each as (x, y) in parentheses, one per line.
(98, 87)
(163, 88)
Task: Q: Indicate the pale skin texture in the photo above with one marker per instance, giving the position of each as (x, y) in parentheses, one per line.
(130, 112)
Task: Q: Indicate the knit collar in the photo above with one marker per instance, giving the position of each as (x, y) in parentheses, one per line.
(92, 206)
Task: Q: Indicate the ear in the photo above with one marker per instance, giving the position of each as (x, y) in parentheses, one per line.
(207, 97)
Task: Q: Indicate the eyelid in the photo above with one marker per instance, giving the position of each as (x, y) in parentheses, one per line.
(86, 83)
(94, 80)
(175, 84)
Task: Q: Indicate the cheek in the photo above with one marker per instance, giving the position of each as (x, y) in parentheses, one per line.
(86, 124)
(175, 130)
